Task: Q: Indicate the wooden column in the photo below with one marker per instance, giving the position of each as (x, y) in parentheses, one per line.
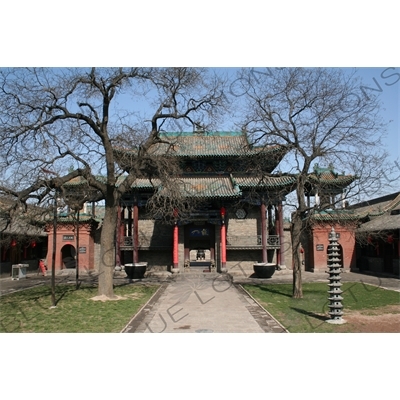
(223, 239)
(277, 230)
(270, 225)
(129, 228)
(281, 235)
(121, 227)
(175, 256)
(264, 233)
(135, 233)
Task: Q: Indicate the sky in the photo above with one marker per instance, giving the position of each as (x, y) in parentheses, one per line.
(385, 82)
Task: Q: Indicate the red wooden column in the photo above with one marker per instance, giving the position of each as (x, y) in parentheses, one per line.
(277, 230)
(264, 233)
(120, 235)
(223, 239)
(175, 254)
(281, 235)
(135, 233)
(122, 228)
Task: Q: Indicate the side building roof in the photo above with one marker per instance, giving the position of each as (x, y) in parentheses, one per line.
(327, 179)
(380, 214)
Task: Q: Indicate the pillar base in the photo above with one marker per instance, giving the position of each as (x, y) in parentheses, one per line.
(175, 270)
(283, 266)
(223, 267)
(336, 321)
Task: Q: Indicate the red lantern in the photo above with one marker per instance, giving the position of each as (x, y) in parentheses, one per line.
(223, 211)
(33, 244)
(13, 243)
(390, 239)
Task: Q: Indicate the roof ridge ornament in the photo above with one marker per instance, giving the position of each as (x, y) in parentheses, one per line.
(199, 128)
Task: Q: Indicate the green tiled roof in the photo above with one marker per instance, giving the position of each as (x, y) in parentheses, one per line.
(145, 184)
(221, 186)
(210, 144)
(330, 179)
(266, 182)
(69, 218)
(200, 187)
(335, 215)
(218, 186)
(210, 187)
(327, 177)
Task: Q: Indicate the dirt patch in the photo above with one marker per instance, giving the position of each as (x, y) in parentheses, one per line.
(105, 298)
(382, 320)
(132, 296)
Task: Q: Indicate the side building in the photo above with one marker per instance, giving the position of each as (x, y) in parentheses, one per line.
(378, 237)
(22, 237)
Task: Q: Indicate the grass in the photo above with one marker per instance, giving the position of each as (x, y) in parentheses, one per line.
(309, 314)
(29, 310)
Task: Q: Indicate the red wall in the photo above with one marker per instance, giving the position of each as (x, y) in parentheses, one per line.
(320, 236)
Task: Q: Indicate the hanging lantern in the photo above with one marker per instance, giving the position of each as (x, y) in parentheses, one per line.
(33, 244)
(223, 211)
(13, 243)
(390, 239)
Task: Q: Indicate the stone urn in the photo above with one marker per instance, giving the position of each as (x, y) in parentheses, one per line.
(264, 270)
(136, 270)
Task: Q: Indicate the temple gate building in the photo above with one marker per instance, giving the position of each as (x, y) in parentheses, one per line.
(239, 220)
(237, 223)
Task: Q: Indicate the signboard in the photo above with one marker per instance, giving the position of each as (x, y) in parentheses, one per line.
(82, 249)
(320, 247)
(68, 237)
(198, 232)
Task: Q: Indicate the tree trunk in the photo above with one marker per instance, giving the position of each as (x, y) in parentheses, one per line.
(297, 226)
(107, 252)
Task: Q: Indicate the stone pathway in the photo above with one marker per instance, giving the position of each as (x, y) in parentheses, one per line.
(202, 303)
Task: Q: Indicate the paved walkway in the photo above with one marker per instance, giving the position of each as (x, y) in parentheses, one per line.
(202, 303)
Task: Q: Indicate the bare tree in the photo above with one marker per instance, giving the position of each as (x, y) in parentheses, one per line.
(51, 119)
(319, 115)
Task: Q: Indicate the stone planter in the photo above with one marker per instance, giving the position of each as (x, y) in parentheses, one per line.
(136, 270)
(264, 270)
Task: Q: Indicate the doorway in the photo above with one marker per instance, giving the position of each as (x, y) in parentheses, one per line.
(199, 242)
(68, 254)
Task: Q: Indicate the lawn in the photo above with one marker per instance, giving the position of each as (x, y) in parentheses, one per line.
(29, 310)
(310, 313)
